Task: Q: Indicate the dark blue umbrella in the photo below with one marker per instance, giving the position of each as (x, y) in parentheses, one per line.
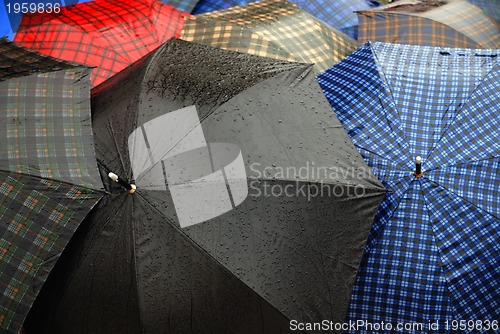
(434, 250)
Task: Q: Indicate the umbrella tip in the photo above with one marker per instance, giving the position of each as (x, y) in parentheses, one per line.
(130, 187)
(418, 166)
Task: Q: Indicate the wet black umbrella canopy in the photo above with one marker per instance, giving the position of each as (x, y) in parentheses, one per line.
(252, 205)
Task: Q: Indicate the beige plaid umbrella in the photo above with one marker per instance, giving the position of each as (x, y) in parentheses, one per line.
(452, 23)
(275, 29)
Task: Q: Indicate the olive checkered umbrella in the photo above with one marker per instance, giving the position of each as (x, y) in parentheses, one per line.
(337, 13)
(452, 23)
(275, 29)
(48, 173)
(434, 249)
(106, 34)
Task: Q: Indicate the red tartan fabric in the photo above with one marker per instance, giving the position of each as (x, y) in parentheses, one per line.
(108, 34)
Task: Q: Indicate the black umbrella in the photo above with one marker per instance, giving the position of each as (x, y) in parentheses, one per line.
(241, 204)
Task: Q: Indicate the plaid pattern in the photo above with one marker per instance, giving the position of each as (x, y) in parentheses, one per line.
(206, 6)
(336, 13)
(107, 34)
(16, 61)
(48, 174)
(456, 24)
(490, 7)
(433, 252)
(37, 219)
(275, 29)
(9, 21)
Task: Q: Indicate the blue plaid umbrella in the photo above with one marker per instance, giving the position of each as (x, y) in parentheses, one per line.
(337, 13)
(434, 250)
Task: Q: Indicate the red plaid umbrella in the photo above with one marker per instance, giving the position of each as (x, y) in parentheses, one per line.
(108, 34)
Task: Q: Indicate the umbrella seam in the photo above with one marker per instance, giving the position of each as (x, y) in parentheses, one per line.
(458, 111)
(214, 260)
(56, 180)
(384, 82)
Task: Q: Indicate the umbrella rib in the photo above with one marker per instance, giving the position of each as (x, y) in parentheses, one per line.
(459, 163)
(55, 180)
(390, 161)
(77, 26)
(137, 276)
(445, 130)
(383, 79)
(430, 222)
(201, 22)
(65, 287)
(115, 141)
(434, 236)
(389, 218)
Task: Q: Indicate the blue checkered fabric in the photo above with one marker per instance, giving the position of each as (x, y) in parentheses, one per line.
(490, 7)
(206, 6)
(337, 13)
(183, 5)
(434, 249)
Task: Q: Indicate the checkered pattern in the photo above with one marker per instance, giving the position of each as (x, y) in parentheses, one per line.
(490, 7)
(182, 5)
(275, 29)
(41, 127)
(37, 219)
(206, 6)
(48, 174)
(456, 24)
(108, 34)
(16, 61)
(433, 252)
(337, 13)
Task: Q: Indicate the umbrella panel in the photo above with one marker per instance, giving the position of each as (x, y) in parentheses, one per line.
(435, 238)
